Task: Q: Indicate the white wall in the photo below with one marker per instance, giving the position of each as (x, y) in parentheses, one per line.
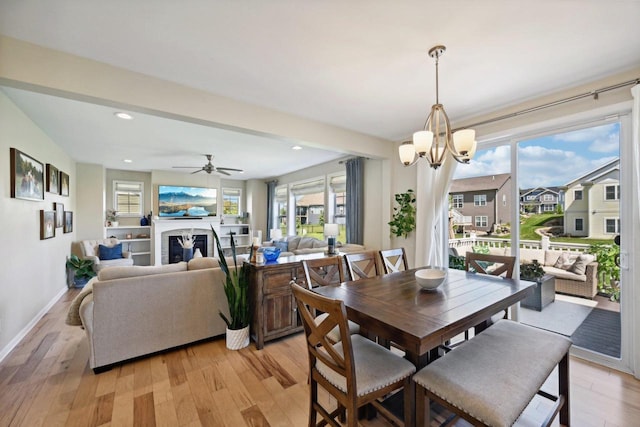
(32, 271)
(89, 216)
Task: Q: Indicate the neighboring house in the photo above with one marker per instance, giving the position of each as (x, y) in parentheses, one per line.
(592, 203)
(486, 199)
(541, 200)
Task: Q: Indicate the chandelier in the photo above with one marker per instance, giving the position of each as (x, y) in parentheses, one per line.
(436, 138)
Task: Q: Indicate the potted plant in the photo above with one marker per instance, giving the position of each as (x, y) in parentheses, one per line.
(112, 218)
(545, 290)
(236, 288)
(79, 271)
(403, 221)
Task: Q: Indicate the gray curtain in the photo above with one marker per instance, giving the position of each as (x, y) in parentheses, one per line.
(355, 200)
(271, 195)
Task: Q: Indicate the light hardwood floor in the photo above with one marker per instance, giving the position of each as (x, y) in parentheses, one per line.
(46, 381)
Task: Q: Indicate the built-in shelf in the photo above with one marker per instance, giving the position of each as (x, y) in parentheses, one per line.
(140, 247)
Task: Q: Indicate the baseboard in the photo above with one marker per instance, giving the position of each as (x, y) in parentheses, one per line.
(23, 333)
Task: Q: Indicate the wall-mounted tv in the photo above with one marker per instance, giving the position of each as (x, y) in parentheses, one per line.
(175, 201)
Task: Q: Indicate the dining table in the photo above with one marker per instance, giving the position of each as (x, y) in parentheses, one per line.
(395, 308)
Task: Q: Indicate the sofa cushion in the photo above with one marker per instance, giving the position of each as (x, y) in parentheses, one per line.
(110, 252)
(204, 262)
(527, 256)
(559, 273)
(307, 243)
(551, 257)
(293, 242)
(112, 273)
(580, 266)
(283, 245)
(566, 260)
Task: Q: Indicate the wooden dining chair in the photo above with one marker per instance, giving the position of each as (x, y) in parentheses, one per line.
(495, 265)
(361, 265)
(393, 260)
(355, 371)
(324, 272)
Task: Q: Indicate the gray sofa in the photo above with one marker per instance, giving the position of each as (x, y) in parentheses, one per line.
(298, 245)
(571, 277)
(129, 312)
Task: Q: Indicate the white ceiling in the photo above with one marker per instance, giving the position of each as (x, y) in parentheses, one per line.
(358, 64)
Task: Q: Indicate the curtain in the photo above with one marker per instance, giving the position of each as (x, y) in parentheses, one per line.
(355, 200)
(271, 201)
(432, 195)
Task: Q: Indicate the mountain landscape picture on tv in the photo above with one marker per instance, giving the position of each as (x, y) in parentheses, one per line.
(174, 201)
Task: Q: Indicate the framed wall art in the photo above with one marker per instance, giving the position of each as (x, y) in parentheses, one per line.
(64, 184)
(52, 179)
(47, 224)
(59, 208)
(27, 176)
(68, 222)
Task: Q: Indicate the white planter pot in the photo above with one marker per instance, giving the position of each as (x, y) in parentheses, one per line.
(237, 338)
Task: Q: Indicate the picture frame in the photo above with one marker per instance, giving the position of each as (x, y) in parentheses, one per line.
(53, 179)
(47, 224)
(59, 209)
(64, 184)
(27, 176)
(68, 222)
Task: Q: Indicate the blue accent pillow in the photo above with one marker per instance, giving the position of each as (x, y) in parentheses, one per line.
(106, 253)
(283, 245)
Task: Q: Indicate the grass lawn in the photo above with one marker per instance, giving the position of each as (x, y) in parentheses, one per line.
(529, 226)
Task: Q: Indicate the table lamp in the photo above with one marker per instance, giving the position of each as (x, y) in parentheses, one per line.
(275, 233)
(330, 232)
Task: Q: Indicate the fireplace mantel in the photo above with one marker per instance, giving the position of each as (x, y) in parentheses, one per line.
(160, 226)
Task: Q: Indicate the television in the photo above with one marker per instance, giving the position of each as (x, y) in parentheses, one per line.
(176, 201)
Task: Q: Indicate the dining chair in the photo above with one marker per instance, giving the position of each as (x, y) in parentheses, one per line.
(362, 265)
(324, 272)
(393, 260)
(355, 371)
(495, 265)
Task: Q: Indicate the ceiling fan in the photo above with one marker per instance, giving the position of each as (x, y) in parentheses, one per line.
(209, 167)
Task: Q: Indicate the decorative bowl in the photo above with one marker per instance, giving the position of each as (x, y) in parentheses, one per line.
(271, 253)
(430, 278)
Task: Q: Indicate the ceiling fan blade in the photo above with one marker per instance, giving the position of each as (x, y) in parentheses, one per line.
(199, 170)
(229, 169)
(184, 167)
(222, 172)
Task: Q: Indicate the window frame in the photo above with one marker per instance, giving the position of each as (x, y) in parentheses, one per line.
(239, 190)
(575, 194)
(616, 192)
(481, 217)
(116, 192)
(457, 201)
(575, 224)
(616, 225)
(479, 200)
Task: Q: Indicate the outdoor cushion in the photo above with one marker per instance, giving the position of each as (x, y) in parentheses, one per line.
(580, 266)
(560, 273)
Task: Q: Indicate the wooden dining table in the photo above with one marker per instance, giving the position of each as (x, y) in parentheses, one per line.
(395, 308)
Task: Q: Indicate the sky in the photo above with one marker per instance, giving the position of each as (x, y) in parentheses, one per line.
(550, 160)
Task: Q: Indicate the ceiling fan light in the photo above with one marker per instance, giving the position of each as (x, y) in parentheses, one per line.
(422, 141)
(407, 153)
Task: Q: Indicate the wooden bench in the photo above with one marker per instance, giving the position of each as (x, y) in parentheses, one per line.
(490, 379)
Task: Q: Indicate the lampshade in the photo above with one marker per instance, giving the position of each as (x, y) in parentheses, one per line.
(331, 230)
(275, 233)
(407, 152)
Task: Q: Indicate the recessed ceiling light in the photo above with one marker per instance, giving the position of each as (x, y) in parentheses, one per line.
(128, 161)
(296, 147)
(123, 116)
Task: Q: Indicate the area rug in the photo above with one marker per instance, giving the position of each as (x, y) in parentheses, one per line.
(600, 332)
(561, 317)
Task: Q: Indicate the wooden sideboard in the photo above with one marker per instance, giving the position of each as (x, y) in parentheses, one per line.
(273, 306)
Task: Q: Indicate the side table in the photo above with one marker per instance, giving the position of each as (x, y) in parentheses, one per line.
(544, 294)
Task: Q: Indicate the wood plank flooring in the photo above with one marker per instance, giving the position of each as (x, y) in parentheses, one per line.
(46, 381)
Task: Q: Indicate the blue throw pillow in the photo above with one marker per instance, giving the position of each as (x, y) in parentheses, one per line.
(283, 245)
(106, 253)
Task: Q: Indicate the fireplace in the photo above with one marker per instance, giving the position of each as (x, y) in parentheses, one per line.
(175, 250)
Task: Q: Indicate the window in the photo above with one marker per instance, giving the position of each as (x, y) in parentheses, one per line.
(612, 192)
(337, 204)
(579, 224)
(547, 208)
(612, 225)
(309, 200)
(128, 197)
(481, 221)
(458, 201)
(281, 210)
(547, 198)
(504, 200)
(531, 197)
(231, 201)
(480, 200)
(577, 194)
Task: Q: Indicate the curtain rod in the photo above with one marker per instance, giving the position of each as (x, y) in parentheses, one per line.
(593, 93)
